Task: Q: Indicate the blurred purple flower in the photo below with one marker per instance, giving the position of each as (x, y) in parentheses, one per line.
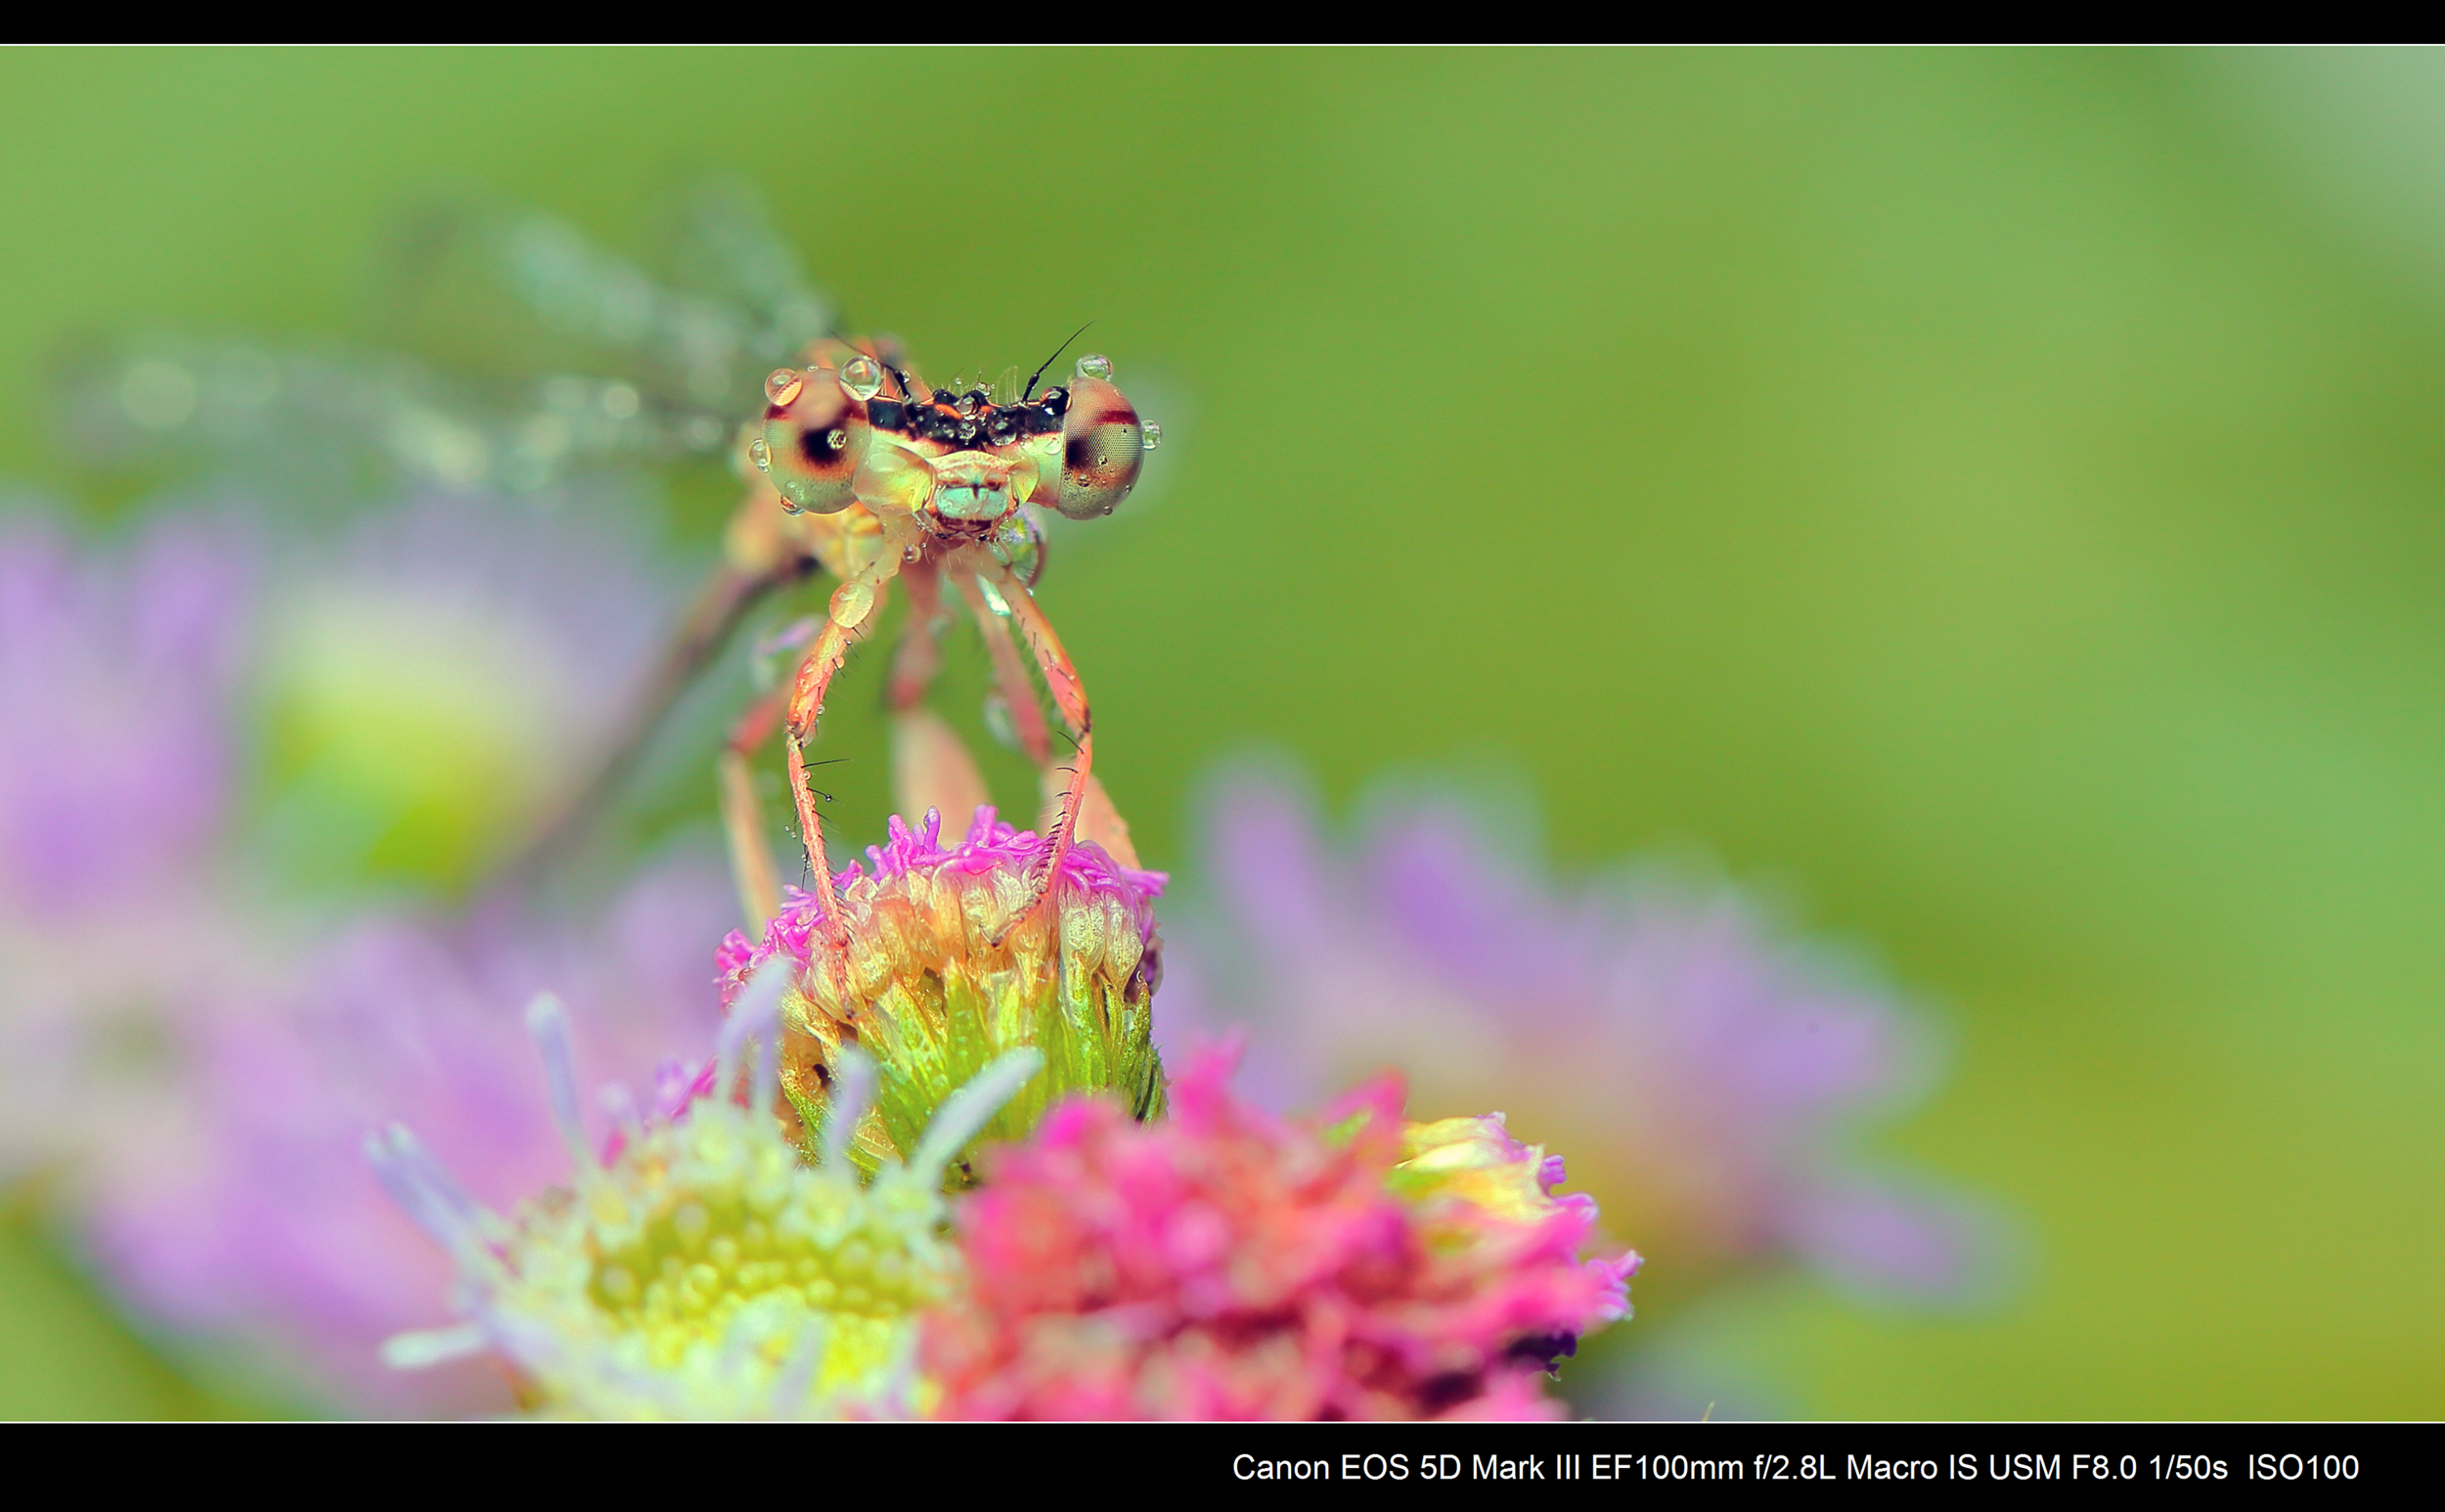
(116, 677)
(1705, 1072)
(195, 1079)
(119, 675)
(268, 1225)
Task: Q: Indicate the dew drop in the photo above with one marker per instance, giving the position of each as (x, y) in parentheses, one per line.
(760, 454)
(862, 377)
(781, 386)
(1094, 365)
(1016, 547)
(852, 602)
(1154, 435)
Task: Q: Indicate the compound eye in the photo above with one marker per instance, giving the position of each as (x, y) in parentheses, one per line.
(1103, 447)
(812, 444)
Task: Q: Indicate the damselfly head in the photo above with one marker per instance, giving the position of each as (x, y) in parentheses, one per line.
(857, 428)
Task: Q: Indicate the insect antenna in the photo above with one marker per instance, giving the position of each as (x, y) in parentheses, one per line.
(1030, 391)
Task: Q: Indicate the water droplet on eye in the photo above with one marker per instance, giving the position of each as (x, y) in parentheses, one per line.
(862, 377)
(1154, 435)
(852, 602)
(836, 439)
(760, 454)
(997, 721)
(781, 386)
(1094, 365)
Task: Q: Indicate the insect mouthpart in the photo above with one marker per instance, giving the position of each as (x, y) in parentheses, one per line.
(973, 486)
(972, 500)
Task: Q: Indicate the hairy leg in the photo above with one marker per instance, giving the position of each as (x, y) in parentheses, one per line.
(1095, 817)
(1069, 695)
(804, 713)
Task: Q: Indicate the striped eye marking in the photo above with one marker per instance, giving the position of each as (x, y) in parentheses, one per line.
(1102, 448)
(812, 444)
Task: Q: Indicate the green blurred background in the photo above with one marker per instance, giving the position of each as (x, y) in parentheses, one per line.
(1998, 499)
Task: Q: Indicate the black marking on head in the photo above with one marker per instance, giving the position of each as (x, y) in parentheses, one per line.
(990, 425)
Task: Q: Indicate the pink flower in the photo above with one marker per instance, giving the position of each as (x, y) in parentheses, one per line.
(1226, 1264)
(993, 849)
(947, 966)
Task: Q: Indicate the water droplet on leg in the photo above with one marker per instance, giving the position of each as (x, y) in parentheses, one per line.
(852, 602)
(1019, 546)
